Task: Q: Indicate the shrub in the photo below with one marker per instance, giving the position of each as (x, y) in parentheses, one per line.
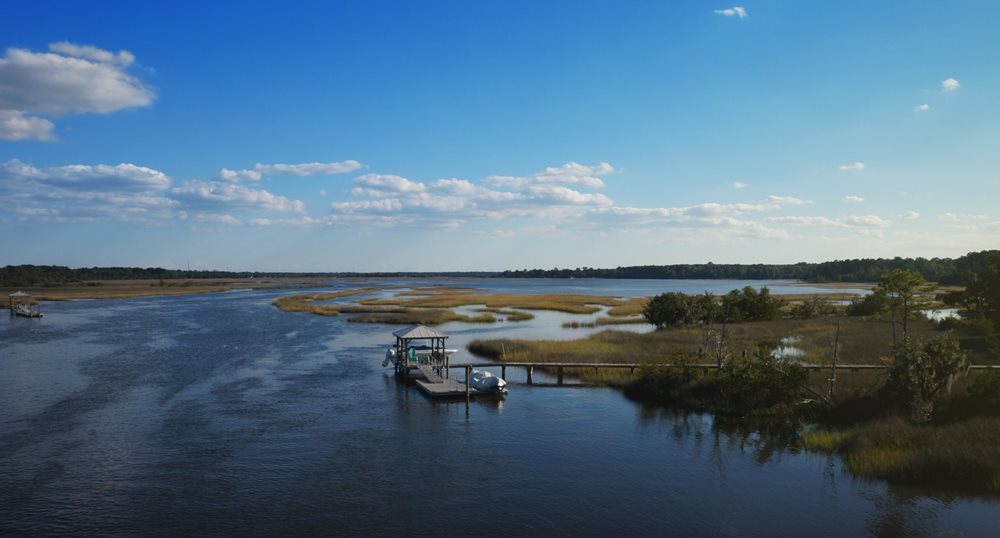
(922, 372)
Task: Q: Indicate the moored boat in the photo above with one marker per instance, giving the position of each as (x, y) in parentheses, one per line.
(484, 381)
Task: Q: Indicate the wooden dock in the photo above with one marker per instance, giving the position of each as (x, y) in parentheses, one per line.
(446, 388)
(435, 386)
(560, 367)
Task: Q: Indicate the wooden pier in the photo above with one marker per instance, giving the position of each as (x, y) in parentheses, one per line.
(560, 367)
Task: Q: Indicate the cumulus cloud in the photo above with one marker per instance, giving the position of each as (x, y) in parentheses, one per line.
(301, 169)
(850, 221)
(781, 201)
(950, 84)
(851, 199)
(88, 52)
(739, 185)
(573, 173)
(211, 196)
(922, 108)
(235, 175)
(14, 125)
(82, 192)
(69, 79)
(308, 169)
(961, 218)
(735, 11)
(910, 215)
(853, 167)
(81, 177)
(381, 183)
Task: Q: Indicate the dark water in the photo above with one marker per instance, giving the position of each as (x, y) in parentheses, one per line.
(219, 414)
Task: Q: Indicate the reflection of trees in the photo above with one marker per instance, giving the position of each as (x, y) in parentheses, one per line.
(902, 512)
(764, 439)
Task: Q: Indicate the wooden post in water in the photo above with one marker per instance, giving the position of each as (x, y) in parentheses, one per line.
(530, 368)
(468, 381)
(560, 375)
(503, 373)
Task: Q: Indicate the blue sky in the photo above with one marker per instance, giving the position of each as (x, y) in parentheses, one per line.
(379, 136)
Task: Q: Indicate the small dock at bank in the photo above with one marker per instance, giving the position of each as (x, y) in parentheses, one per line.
(420, 354)
(21, 306)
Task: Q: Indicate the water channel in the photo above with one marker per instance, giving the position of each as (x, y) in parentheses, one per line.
(220, 414)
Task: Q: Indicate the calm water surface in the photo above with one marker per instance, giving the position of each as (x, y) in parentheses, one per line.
(219, 414)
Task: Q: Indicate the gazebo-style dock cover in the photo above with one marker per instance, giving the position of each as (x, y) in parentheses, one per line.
(20, 305)
(420, 346)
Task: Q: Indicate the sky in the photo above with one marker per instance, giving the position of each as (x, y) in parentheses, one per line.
(463, 136)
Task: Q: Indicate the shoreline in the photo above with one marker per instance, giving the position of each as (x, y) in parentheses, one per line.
(126, 289)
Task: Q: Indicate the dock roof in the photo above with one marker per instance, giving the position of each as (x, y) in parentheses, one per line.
(418, 331)
(19, 293)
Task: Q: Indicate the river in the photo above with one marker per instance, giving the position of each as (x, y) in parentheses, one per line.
(219, 414)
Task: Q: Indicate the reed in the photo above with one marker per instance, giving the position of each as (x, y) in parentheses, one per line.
(963, 455)
(572, 304)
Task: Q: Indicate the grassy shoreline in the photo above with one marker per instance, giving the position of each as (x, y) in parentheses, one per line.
(124, 289)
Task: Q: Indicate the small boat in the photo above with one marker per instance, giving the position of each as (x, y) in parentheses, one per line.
(486, 382)
(25, 311)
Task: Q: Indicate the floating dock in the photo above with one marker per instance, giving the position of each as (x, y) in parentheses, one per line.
(435, 386)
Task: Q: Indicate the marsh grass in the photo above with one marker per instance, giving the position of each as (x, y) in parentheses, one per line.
(861, 342)
(508, 314)
(963, 455)
(629, 307)
(572, 304)
(123, 289)
(306, 302)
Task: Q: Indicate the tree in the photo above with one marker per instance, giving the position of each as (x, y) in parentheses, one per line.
(750, 305)
(922, 372)
(666, 309)
(676, 309)
(872, 304)
(901, 288)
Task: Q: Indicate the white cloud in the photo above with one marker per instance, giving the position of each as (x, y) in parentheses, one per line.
(853, 199)
(739, 185)
(387, 183)
(922, 108)
(853, 167)
(14, 125)
(86, 192)
(88, 52)
(910, 215)
(309, 169)
(738, 11)
(950, 84)
(81, 177)
(455, 186)
(779, 201)
(212, 196)
(235, 175)
(867, 221)
(850, 221)
(573, 173)
(962, 217)
(69, 79)
(219, 218)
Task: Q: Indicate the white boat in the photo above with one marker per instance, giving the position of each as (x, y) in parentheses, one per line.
(486, 382)
(417, 354)
(25, 311)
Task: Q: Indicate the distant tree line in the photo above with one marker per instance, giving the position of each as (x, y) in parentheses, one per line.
(941, 270)
(55, 275)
